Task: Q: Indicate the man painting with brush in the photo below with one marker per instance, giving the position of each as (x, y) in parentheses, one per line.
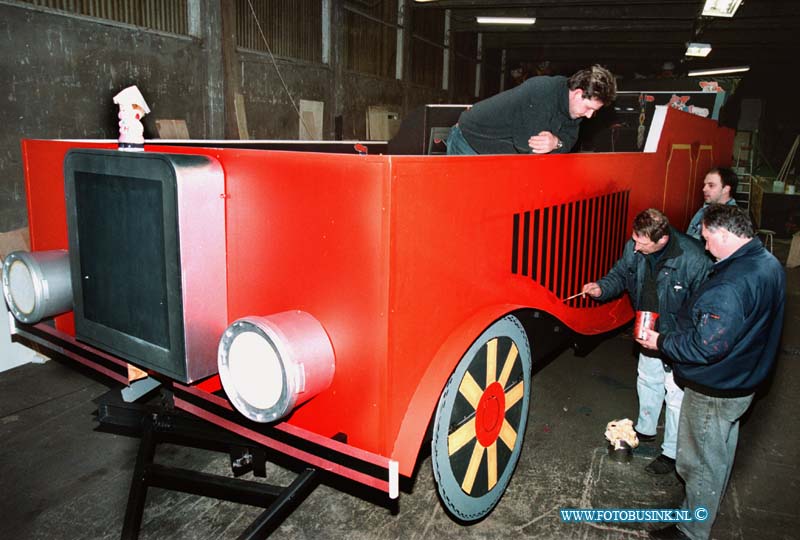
(660, 268)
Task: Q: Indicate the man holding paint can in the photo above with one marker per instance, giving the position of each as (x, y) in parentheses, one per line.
(660, 268)
(723, 348)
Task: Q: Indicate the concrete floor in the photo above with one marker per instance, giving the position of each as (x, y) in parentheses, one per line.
(61, 478)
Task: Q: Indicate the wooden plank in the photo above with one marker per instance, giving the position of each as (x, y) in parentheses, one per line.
(234, 102)
(172, 129)
(241, 117)
(311, 115)
(793, 260)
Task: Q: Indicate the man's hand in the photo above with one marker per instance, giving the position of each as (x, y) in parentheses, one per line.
(592, 289)
(650, 340)
(543, 143)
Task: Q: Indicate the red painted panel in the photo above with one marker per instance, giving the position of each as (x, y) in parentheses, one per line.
(310, 232)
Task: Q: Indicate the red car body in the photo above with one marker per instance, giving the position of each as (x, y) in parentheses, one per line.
(405, 260)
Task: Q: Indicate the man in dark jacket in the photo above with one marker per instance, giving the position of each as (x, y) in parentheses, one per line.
(539, 116)
(722, 348)
(660, 268)
(719, 187)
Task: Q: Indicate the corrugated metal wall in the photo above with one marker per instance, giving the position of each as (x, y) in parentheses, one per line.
(465, 48)
(427, 47)
(293, 28)
(370, 40)
(491, 72)
(164, 15)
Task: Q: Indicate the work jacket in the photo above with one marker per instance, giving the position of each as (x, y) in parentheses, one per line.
(695, 229)
(727, 335)
(681, 270)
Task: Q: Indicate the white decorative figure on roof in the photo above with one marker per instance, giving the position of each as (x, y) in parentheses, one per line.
(132, 108)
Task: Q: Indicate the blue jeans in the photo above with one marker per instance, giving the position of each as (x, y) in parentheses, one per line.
(654, 386)
(457, 145)
(707, 437)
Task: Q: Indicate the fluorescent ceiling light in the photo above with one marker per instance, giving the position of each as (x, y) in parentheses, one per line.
(718, 71)
(505, 20)
(698, 49)
(721, 8)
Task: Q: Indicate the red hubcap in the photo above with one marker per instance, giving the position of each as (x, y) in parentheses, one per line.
(490, 414)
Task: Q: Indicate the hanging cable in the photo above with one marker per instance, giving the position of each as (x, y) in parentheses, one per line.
(278, 71)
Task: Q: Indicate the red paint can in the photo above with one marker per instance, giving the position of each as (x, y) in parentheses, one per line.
(645, 320)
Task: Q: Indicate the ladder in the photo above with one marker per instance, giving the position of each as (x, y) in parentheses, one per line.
(744, 169)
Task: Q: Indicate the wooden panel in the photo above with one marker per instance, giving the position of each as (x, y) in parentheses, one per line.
(382, 123)
(312, 116)
(793, 259)
(172, 129)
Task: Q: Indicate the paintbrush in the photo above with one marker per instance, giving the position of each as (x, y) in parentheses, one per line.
(574, 296)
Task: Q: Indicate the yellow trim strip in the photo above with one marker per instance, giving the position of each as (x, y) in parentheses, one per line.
(460, 437)
(666, 170)
(515, 394)
(508, 365)
(508, 435)
(491, 465)
(472, 469)
(471, 390)
(491, 361)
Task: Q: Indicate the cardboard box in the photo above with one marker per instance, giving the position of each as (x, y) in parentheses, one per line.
(16, 240)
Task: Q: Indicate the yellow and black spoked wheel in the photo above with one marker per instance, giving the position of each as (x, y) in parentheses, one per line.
(480, 421)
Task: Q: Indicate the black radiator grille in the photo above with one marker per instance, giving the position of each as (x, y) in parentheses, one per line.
(564, 246)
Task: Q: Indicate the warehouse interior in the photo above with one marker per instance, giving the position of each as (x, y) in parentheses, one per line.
(210, 65)
(356, 70)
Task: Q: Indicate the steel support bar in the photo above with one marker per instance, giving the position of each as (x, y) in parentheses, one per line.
(167, 423)
(291, 497)
(167, 426)
(132, 522)
(212, 485)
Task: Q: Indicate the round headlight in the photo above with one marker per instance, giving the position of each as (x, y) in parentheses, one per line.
(255, 369)
(37, 285)
(270, 365)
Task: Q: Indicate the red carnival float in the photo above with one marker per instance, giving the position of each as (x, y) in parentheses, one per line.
(332, 306)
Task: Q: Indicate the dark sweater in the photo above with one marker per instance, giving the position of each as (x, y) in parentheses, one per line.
(503, 123)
